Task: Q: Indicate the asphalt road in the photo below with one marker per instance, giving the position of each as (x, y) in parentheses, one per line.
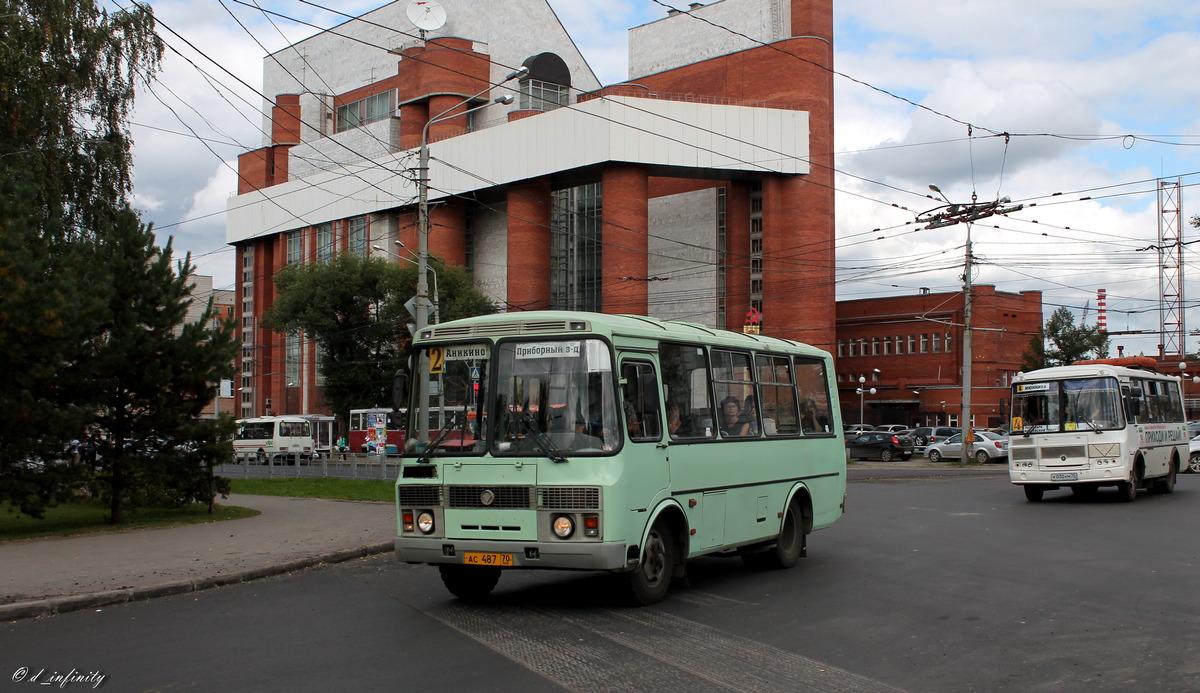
(925, 585)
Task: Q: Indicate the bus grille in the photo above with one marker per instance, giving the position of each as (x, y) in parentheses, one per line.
(1064, 451)
(1022, 454)
(499, 497)
(422, 496)
(569, 498)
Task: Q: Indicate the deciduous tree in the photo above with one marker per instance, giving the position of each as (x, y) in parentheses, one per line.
(353, 308)
(1062, 342)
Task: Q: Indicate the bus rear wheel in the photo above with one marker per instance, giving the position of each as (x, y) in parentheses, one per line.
(470, 583)
(1166, 484)
(790, 546)
(649, 582)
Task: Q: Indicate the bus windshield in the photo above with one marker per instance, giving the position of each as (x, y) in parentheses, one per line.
(1083, 404)
(555, 396)
(453, 414)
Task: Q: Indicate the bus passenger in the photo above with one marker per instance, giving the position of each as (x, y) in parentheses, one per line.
(809, 421)
(731, 418)
(674, 420)
(750, 415)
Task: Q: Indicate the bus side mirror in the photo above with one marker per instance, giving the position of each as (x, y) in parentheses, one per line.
(399, 389)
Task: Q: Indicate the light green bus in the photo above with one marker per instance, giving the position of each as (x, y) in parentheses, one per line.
(615, 443)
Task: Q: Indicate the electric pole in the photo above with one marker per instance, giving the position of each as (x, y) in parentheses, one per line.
(949, 215)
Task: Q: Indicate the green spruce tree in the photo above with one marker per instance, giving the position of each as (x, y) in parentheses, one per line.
(148, 373)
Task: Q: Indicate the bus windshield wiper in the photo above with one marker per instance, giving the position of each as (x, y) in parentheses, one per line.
(540, 439)
(433, 446)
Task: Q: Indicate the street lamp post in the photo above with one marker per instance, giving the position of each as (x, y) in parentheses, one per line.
(862, 390)
(422, 299)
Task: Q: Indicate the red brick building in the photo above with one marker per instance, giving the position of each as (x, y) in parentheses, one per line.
(909, 349)
(698, 189)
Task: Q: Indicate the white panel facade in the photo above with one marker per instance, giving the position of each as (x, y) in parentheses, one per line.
(683, 238)
(645, 131)
(685, 38)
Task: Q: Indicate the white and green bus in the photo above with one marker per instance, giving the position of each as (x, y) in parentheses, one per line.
(614, 443)
(1097, 423)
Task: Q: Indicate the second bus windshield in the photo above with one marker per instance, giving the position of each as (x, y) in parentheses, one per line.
(1067, 405)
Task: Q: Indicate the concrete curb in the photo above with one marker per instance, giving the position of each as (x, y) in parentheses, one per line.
(49, 606)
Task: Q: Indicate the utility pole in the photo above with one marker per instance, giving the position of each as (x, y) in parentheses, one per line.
(949, 215)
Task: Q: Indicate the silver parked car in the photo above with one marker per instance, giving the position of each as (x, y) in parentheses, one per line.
(987, 447)
(1193, 465)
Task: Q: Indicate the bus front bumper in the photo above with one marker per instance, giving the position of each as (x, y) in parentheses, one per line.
(1108, 475)
(524, 554)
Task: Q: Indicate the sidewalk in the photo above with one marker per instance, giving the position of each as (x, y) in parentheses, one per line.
(42, 577)
(48, 576)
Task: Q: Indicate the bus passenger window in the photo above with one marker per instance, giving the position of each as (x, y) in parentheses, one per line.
(812, 388)
(639, 390)
(686, 385)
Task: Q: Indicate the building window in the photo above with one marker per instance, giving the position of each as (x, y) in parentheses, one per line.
(912, 344)
(899, 345)
(537, 95)
(295, 247)
(949, 337)
(363, 111)
(575, 251)
(358, 236)
(874, 346)
(853, 348)
(841, 348)
(924, 343)
(292, 358)
(324, 242)
(887, 347)
(937, 343)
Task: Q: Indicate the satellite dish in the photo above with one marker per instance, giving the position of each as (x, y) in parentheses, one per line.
(426, 15)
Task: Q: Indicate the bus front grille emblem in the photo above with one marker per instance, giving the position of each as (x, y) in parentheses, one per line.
(487, 497)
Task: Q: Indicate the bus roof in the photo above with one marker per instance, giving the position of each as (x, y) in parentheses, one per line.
(549, 323)
(1085, 370)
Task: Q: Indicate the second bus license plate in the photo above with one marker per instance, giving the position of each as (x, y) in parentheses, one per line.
(492, 559)
(1065, 476)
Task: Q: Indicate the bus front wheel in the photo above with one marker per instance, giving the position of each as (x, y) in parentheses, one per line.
(1127, 490)
(1033, 493)
(470, 583)
(649, 582)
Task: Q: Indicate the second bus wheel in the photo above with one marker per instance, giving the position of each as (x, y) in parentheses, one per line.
(471, 583)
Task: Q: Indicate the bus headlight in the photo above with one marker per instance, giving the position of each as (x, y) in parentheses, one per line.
(563, 526)
(425, 522)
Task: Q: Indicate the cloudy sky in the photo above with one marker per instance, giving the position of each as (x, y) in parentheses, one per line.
(1074, 109)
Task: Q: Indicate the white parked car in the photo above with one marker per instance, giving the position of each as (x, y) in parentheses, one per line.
(987, 447)
(1193, 455)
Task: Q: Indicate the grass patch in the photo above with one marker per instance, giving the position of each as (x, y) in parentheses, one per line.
(325, 487)
(88, 517)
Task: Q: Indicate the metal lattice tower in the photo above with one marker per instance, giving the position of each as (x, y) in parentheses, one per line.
(1170, 269)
